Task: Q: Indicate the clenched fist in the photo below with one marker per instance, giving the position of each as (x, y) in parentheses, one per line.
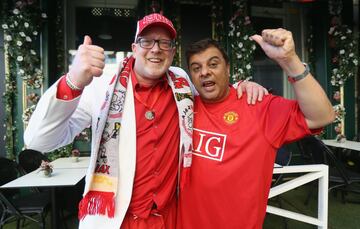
(89, 62)
(278, 44)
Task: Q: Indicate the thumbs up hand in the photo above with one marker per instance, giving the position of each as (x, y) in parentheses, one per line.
(89, 62)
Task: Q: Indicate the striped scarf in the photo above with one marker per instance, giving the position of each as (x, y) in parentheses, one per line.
(101, 195)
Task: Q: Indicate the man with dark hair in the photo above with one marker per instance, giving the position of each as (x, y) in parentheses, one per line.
(234, 144)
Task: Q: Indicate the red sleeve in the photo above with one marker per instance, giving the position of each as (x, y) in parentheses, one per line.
(64, 92)
(282, 121)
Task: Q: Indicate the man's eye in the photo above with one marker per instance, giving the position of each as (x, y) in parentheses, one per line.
(196, 69)
(165, 42)
(213, 65)
(146, 42)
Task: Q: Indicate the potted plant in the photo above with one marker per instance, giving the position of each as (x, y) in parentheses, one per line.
(46, 168)
(75, 154)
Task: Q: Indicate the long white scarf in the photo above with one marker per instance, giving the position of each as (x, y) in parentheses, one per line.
(101, 196)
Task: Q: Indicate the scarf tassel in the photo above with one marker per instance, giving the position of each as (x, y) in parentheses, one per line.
(97, 203)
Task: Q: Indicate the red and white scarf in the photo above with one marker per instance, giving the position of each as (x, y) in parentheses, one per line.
(100, 197)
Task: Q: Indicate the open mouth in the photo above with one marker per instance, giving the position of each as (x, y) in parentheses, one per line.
(208, 84)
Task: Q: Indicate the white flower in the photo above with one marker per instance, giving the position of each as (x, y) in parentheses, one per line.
(16, 23)
(335, 70)
(35, 33)
(4, 26)
(32, 52)
(28, 39)
(16, 11)
(248, 66)
(342, 51)
(241, 71)
(8, 38)
(240, 45)
(246, 37)
(20, 58)
(253, 47)
(351, 54)
(342, 37)
(238, 34)
(331, 30)
(333, 82)
(21, 71)
(26, 24)
(238, 56)
(22, 34)
(43, 15)
(18, 43)
(355, 62)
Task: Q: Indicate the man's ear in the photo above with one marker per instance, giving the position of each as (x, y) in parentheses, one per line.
(228, 69)
(173, 51)
(133, 47)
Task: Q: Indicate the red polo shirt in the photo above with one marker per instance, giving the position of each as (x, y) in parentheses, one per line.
(157, 145)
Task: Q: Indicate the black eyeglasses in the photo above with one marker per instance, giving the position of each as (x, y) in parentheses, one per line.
(149, 43)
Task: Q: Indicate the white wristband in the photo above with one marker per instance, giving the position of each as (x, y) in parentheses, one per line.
(71, 84)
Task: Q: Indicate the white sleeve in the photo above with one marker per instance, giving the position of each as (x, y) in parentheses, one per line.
(56, 122)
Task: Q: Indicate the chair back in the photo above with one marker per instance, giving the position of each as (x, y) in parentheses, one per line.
(8, 172)
(30, 160)
(283, 156)
(314, 151)
(8, 207)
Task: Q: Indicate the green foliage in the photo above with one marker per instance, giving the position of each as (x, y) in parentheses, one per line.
(61, 152)
(242, 48)
(345, 59)
(21, 30)
(21, 23)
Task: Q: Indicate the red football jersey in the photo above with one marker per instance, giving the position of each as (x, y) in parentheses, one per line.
(234, 151)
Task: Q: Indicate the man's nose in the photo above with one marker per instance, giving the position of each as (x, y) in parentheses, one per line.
(204, 71)
(156, 47)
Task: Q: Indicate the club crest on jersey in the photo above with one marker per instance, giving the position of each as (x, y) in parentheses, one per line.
(231, 117)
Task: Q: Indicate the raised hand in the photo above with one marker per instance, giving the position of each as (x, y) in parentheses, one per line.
(89, 62)
(278, 44)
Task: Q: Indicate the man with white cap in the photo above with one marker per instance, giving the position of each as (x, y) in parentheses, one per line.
(141, 122)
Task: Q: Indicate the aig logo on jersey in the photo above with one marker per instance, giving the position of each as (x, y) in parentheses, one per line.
(209, 144)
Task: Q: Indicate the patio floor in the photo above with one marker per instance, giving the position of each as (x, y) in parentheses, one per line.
(341, 216)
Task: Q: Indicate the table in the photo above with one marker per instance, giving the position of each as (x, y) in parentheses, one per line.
(353, 145)
(311, 172)
(66, 173)
(67, 162)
